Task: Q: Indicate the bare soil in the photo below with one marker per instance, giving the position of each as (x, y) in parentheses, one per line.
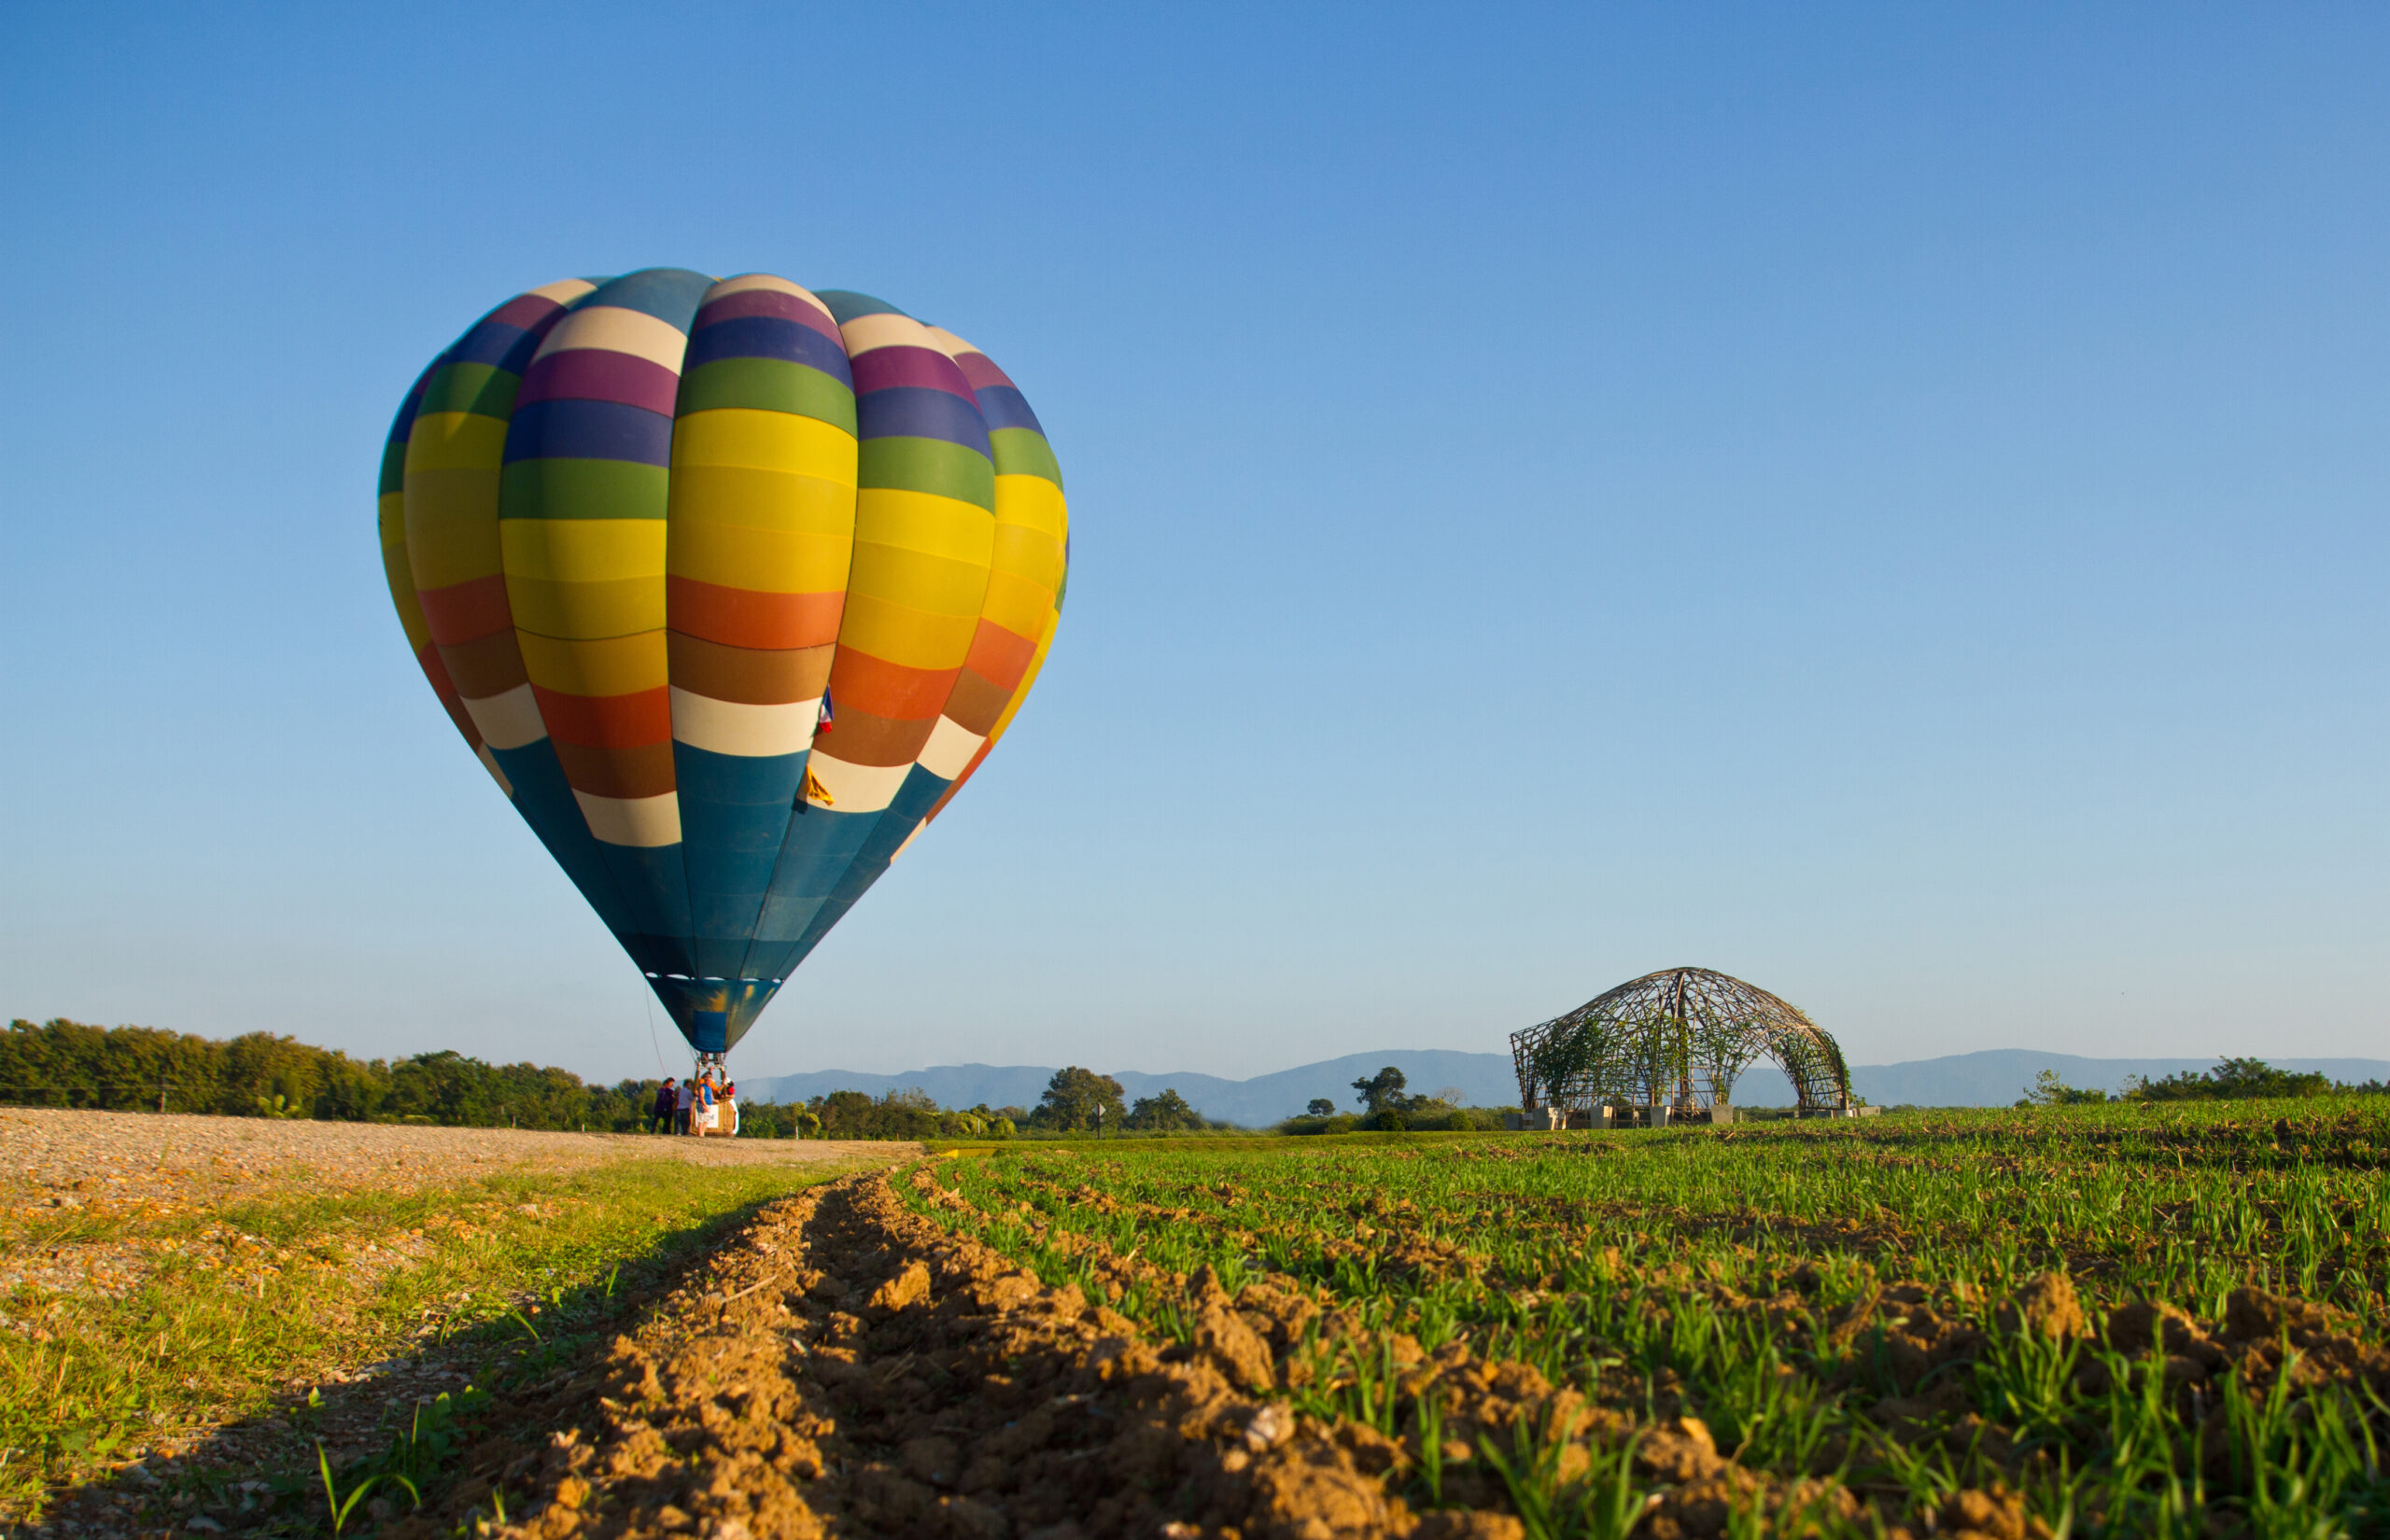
(92, 1157)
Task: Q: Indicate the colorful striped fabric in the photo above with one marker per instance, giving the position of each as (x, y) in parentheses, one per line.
(640, 532)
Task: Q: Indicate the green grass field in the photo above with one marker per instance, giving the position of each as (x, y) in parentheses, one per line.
(238, 1311)
(1907, 1309)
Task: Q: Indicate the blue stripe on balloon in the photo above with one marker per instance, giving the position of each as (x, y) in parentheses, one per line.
(821, 843)
(575, 430)
(850, 879)
(656, 893)
(545, 800)
(1005, 407)
(918, 412)
(671, 294)
(734, 813)
(490, 343)
(845, 304)
(765, 337)
(712, 1013)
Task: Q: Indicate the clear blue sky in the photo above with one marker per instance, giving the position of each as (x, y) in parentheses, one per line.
(1884, 502)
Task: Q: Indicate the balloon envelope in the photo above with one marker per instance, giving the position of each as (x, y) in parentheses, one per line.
(730, 585)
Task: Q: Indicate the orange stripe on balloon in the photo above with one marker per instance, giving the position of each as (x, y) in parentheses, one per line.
(607, 722)
(744, 617)
(999, 656)
(889, 689)
(466, 611)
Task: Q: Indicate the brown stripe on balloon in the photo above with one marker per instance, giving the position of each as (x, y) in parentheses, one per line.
(643, 772)
(748, 676)
(977, 703)
(445, 688)
(859, 737)
(490, 667)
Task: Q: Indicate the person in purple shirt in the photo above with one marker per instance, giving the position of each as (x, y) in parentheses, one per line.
(667, 1100)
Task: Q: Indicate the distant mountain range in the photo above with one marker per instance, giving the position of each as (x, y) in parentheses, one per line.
(1993, 1078)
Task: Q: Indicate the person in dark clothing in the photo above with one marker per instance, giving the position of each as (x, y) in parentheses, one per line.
(667, 1101)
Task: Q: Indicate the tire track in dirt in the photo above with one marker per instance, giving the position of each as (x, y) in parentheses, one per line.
(847, 1368)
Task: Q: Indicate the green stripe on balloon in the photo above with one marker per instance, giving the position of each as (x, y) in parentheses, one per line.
(584, 489)
(928, 465)
(1022, 451)
(768, 384)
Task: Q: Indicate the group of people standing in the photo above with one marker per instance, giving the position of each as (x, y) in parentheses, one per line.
(707, 1104)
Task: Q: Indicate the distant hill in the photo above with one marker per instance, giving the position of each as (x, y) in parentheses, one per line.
(1992, 1078)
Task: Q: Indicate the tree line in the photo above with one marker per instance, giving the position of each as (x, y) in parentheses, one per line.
(62, 1063)
(1387, 1104)
(2229, 1080)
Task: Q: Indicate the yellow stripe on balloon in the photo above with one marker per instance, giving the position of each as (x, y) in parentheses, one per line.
(1034, 502)
(586, 611)
(926, 523)
(766, 561)
(767, 441)
(390, 519)
(936, 583)
(898, 632)
(615, 666)
(452, 529)
(763, 499)
(583, 550)
(455, 441)
(1018, 603)
(1029, 553)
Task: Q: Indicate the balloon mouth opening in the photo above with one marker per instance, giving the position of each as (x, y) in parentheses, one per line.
(712, 1013)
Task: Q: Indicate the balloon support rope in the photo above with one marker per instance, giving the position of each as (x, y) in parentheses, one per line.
(647, 997)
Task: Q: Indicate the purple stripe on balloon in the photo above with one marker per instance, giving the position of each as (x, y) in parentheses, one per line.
(768, 301)
(524, 309)
(600, 374)
(981, 371)
(921, 368)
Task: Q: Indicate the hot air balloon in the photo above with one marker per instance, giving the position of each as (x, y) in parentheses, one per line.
(730, 585)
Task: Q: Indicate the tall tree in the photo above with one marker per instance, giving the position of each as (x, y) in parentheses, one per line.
(1074, 1097)
(1383, 1092)
(1164, 1113)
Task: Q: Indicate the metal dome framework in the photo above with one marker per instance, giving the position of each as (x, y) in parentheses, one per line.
(1678, 1039)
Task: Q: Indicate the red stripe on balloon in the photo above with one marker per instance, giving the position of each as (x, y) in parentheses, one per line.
(607, 722)
(466, 611)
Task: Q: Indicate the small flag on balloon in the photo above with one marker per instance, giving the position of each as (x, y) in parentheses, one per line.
(823, 723)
